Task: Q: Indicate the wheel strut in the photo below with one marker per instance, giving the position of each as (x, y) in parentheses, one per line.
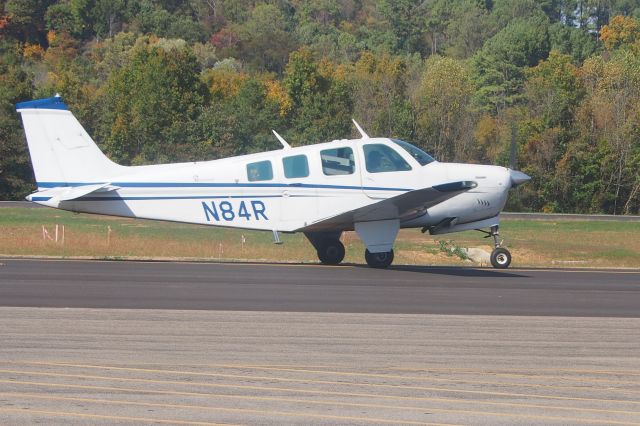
(495, 233)
(500, 256)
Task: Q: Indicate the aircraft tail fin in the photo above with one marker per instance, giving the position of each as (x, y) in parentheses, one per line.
(62, 152)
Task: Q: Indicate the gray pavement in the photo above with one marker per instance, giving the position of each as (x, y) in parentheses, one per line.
(89, 342)
(316, 288)
(563, 217)
(104, 366)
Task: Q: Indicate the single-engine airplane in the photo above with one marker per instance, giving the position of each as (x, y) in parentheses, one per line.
(374, 186)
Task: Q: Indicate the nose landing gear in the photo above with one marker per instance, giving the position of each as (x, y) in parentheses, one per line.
(500, 256)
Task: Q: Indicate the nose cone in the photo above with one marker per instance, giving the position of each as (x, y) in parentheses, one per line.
(518, 178)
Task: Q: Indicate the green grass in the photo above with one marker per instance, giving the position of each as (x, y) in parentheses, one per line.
(532, 243)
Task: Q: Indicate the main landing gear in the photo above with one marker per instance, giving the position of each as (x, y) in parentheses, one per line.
(330, 252)
(328, 247)
(500, 256)
(379, 260)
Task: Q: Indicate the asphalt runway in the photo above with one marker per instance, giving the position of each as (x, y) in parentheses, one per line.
(316, 288)
(105, 342)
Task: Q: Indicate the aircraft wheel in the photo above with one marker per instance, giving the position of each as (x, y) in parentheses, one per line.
(331, 252)
(500, 258)
(379, 260)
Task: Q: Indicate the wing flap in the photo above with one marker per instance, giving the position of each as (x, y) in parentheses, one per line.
(404, 207)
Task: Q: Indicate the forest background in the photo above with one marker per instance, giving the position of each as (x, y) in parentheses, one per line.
(551, 87)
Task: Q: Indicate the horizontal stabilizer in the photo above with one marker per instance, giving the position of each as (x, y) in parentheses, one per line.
(68, 193)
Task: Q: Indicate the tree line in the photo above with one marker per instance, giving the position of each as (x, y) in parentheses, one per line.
(550, 87)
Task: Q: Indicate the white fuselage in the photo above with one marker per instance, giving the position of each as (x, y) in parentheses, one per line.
(222, 193)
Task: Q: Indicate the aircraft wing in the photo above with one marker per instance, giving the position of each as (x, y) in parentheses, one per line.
(67, 193)
(406, 206)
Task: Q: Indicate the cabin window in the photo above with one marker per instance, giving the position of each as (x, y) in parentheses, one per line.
(380, 158)
(337, 161)
(295, 166)
(260, 170)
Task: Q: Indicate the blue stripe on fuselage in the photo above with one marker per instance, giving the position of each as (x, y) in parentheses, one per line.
(218, 185)
(186, 197)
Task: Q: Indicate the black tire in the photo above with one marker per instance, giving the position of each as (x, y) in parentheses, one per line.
(331, 252)
(379, 260)
(500, 258)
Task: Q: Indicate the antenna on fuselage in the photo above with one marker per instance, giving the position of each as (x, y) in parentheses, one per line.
(362, 132)
(284, 143)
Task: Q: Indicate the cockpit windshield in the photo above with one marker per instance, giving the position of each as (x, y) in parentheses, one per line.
(419, 155)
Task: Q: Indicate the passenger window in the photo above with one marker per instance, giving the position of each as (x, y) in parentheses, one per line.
(259, 171)
(337, 161)
(380, 158)
(295, 166)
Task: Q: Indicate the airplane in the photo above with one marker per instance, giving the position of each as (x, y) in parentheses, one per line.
(374, 186)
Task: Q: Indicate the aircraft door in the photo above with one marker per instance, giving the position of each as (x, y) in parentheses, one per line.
(299, 197)
(339, 181)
